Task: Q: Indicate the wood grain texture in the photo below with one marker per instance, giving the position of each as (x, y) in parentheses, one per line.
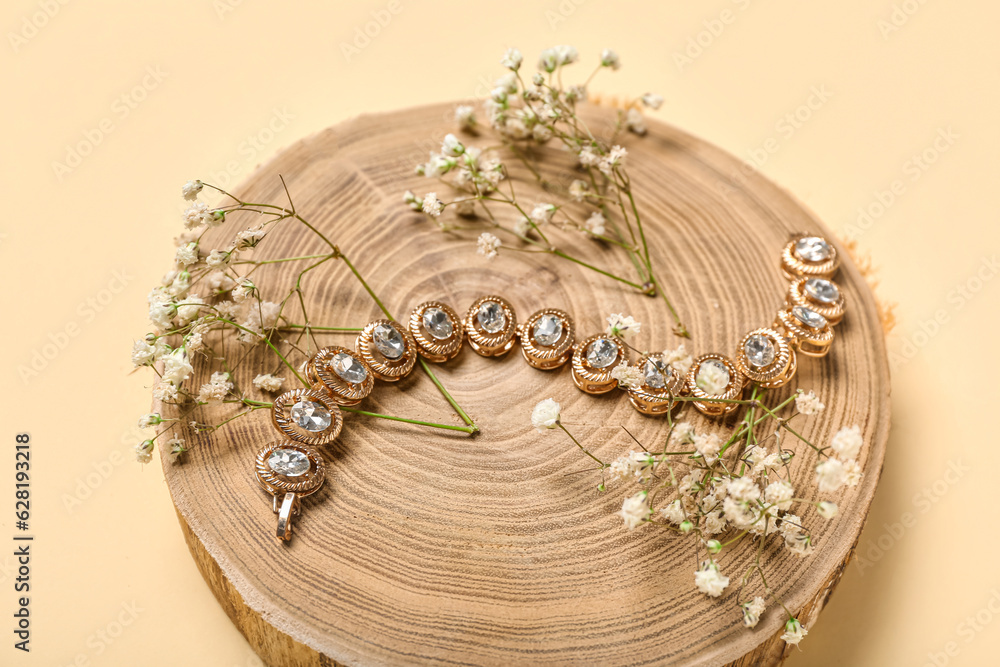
(432, 547)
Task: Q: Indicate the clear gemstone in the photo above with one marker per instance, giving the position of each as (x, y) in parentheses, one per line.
(759, 350)
(310, 415)
(822, 290)
(708, 370)
(810, 318)
(602, 353)
(388, 341)
(656, 373)
(491, 317)
(348, 368)
(812, 249)
(437, 323)
(548, 330)
(289, 462)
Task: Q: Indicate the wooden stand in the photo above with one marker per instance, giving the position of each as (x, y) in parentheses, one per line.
(428, 546)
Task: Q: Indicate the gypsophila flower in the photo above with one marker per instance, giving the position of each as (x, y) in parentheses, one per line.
(268, 382)
(826, 509)
(522, 227)
(791, 525)
(678, 359)
(176, 367)
(487, 245)
(794, 632)
(465, 117)
(715, 523)
(166, 392)
(189, 309)
(512, 59)
(176, 447)
(595, 224)
(610, 59)
(465, 207)
(674, 512)
(830, 475)
(708, 445)
(579, 190)
(142, 353)
(752, 611)
(808, 404)
(245, 290)
(634, 465)
(779, 494)
(622, 327)
(709, 579)
(713, 546)
(191, 189)
(186, 255)
(432, 206)
(151, 419)
(635, 510)
(613, 160)
(847, 442)
(634, 122)
(452, 146)
(589, 157)
(195, 215)
(628, 376)
(711, 379)
(652, 100)
(545, 415)
(218, 259)
(249, 238)
(144, 451)
(216, 390)
(567, 55)
(683, 433)
(743, 488)
(542, 213)
(852, 473)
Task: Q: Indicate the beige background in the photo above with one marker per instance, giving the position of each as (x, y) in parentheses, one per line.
(112, 580)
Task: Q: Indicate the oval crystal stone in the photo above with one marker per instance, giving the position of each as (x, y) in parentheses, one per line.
(759, 350)
(437, 323)
(547, 330)
(822, 290)
(655, 372)
(712, 377)
(602, 353)
(388, 341)
(310, 415)
(288, 462)
(348, 368)
(808, 317)
(812, 249)
(491, 317)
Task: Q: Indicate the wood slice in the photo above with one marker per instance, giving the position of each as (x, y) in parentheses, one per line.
(427, 546)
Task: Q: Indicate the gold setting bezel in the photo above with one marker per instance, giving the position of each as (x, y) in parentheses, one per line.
(595, 380)
(795, 267)
(277, 484)
(650, 401)
(342, 391)
(807, 340)
(779, 371)
(833, 312)
(431, 348)
(282, 418)
(385, 369)
(732, 392)
(491, 344)
(547, 357)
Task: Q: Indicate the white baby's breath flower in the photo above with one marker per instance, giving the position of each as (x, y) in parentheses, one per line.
(621, 326)
(522, 227)
(589, 157)
(166, 392)
(487, 245)
(682, 434)
(186, 255)
(512, 59)
(245, 290)
(218, 259)
(144, 451)
(578, 190)
(635, 510)
(542, 214)
(176, 367)
(465, 116)
(216, 390)
(678, 359)
(830, 475)
(268, 382)
(249, 238)
(432, 206)
(567, 55)
(195, 215)
(715, 523)
(188, 309)
(595, 224)
(791, 525)
(826, 509)
(847, 442)
(852, 473)
(794, 632)
(176, 447)
(142, 353)
(709, 579)
(634, 122)
(465, 207)
(779, 494)
(452, 146)
(652, 100)
(752, 611)
(610, 59)
(545, 415)
(711, 379)
(708, 445)
(191, 189)
(674, 512)
(628, 376)
(800, 545)
(742, 489)
(151, 419)
(808, 404)
(613, 160)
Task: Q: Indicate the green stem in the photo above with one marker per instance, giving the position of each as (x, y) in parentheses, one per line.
(584, 449)
(449, 427)
(444, 392)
